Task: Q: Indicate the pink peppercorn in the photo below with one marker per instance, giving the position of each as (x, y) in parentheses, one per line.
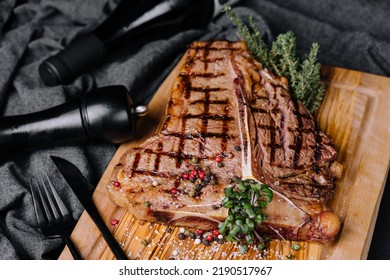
(114, 222)
(117, 184)
(201, 174)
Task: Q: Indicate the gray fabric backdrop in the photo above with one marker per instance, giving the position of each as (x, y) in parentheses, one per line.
(352, 33)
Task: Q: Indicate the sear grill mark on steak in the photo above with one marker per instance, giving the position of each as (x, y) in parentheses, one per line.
(206, 52)
(135, 163)
(205, 121)
(158, 157)
(298, 139)
(223, 99)
(206, 116)
(181, 142)
(205, 75)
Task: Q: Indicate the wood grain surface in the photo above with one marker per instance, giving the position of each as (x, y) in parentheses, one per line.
(355, 113)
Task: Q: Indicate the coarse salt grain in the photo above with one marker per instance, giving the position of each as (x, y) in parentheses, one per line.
(182, 230)
(154, 183)
(175, 253)
(197, 241)
(214, 249)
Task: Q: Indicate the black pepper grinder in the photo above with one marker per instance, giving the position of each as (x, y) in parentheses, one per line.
(106, 114)
(132, 23)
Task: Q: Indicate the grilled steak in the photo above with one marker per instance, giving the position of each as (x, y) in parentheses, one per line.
(226, 108)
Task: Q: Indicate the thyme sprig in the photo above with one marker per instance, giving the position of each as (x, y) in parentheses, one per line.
(245, 200)
(303, 73)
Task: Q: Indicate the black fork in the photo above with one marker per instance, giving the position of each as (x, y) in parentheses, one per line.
(53, 216)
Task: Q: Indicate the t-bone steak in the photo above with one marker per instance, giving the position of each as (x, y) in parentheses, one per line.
(226, 107)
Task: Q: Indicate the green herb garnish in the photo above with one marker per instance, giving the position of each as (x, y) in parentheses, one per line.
(303, 73)
(296, 247)
(246, 201)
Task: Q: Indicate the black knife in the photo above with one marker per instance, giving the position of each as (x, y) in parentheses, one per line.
(79, 185)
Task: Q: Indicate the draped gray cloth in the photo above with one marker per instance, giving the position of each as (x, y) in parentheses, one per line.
(352, 34)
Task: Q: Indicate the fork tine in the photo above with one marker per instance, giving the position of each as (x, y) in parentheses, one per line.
(46, 202)
(57, 203)
(41, 217)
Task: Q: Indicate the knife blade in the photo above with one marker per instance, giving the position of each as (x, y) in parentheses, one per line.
(79, 186)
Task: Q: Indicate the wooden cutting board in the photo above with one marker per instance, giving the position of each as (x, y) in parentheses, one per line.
(355, 113)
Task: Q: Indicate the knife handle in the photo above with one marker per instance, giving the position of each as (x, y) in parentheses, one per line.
(106, 233)
(72, 248)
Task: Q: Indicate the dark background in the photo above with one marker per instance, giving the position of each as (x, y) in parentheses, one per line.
(353, 34)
